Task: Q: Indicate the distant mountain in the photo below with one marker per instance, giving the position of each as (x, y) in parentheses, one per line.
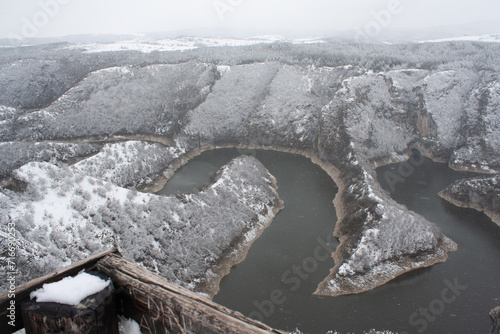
(89, 38)
(427, 34)
(386, 35)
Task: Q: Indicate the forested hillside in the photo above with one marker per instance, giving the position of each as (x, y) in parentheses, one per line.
(349, 107)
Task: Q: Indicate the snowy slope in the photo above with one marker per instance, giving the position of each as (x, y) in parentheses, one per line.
(15, 154)
(63, 216)
(122, 100)
(481, 149)
(184, 43)
(482, 194)
(129, 164)
(391, 241)
(491, 38)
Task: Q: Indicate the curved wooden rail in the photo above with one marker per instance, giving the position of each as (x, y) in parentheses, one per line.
(158, 305)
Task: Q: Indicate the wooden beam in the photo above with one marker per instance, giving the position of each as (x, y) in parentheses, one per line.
(23, 291)
(160, 306)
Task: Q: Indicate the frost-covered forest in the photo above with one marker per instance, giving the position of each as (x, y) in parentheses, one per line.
(481, 193)
(110, 123)
(130, 163)
(63, 214)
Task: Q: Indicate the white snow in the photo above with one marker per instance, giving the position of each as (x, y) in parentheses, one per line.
(222, 69)
(374, 109)
(308, 41)
(126, 163)
(70, 290)
(492, 38)
(184, 43)
(65, 215)
(128, 326)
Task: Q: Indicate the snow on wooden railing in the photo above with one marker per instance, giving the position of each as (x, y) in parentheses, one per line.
(23, 291)
(158, 305)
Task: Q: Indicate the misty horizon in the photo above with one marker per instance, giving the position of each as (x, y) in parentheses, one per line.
(238, 18)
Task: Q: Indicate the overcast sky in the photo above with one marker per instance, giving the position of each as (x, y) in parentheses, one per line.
(49, 18)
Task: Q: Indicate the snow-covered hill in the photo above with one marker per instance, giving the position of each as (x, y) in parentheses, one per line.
(63, 215)
(185, 43)
(482, 194)
(491, 38)
(349, 107)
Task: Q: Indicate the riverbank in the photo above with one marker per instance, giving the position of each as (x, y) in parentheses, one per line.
(405, 260)
(337, 285)
(283, 248)
(469, 194)
(241, 245)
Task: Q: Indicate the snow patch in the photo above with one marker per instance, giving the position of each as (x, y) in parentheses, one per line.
(70, 290)
(184, 44)
(128, 326)
(490, 38)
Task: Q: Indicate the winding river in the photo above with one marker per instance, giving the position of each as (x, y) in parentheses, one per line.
(276, 281)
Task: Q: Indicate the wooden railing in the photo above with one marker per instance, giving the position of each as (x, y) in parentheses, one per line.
(158, 305)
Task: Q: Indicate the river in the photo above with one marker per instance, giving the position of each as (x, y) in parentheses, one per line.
(276, 280)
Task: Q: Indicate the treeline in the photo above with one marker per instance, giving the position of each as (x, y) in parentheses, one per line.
(15, 154)
(33, 77)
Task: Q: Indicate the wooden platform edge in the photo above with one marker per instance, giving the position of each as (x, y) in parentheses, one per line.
(23, 291)
(160, 306)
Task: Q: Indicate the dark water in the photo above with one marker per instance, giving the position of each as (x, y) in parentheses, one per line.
(275, 282)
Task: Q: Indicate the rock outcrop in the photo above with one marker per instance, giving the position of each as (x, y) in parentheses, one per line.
(482, 194)
(495, 316)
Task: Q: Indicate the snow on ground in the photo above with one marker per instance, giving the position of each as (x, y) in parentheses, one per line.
(480, 193)
(375, 119)
(70, 290)
(124, 100)
(482, 136)
(445, 94)
(64, 215)
(185, 43)
(492, 38)
(7, 112)
(15, 154)
(390, 231)
(128, 326)
(130, 163)
(397, 233)
(389, 240)
(308, 41)
(269, 103)
(224, 113)
(288, 108)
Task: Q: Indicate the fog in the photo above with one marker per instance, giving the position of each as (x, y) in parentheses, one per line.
(50, 18)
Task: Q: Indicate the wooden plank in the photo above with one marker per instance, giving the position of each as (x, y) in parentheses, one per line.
(23, 291)
(160, 306)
